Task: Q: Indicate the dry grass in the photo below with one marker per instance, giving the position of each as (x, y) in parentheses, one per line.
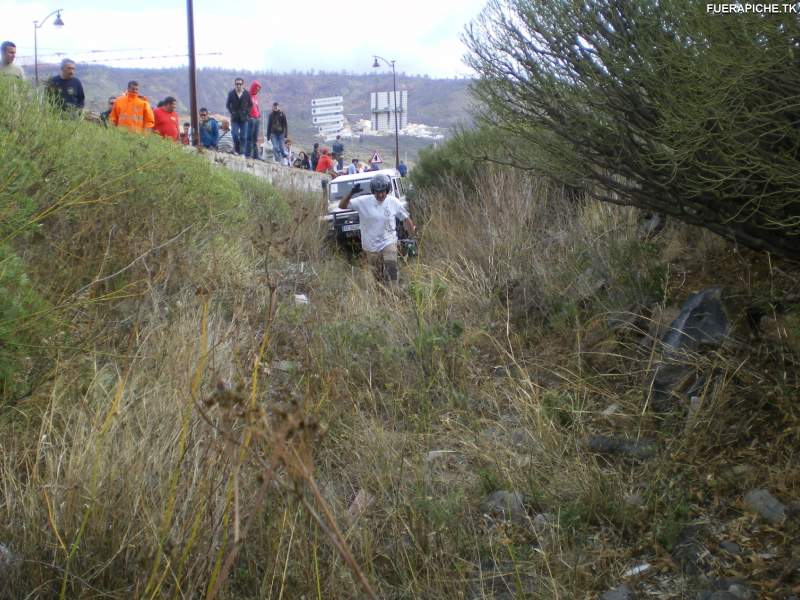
(229, 442)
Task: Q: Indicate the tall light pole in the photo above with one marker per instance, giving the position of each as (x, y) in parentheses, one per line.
(375, 65)
(36, 25)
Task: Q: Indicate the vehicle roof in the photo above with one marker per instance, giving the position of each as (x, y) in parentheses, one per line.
(367, 175)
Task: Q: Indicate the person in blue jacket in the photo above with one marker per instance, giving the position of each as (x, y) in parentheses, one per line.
(209, 130)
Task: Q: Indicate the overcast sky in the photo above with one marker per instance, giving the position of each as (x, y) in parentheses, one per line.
(421, 35)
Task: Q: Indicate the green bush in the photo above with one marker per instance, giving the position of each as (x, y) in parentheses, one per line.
(644, 104)
(458, 160)
(87, 200)
(23, 319)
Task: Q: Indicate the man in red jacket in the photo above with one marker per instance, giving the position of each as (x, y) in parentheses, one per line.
(166, 119)
(325, 164)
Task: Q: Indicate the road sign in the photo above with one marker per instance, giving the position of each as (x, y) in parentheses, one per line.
(327, 101)
(376, 158)
(327, 110)
(327, 119)
(335, 128)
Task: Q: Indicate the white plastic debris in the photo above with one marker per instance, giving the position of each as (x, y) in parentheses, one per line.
(301, 299)
(637, 570)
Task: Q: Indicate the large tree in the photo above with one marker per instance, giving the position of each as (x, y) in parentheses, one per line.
(655, 103)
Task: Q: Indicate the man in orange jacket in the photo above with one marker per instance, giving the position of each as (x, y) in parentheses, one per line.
(132, 110)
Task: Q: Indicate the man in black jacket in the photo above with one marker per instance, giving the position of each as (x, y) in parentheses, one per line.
(66, 89)
(277, 131)
(239, 105)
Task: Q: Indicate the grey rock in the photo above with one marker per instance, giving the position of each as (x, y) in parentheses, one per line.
(614, 445)
(689, 550)
(588, 284)
(434, 454)
(505, 505)
(740, 591)
(285, 365)
(766, 505)
(622, 592)
(730, 547)
(726, 588)
(634, 500)
(702, 322)
(672, 382)
(633, 322)
(8, 567)
(544, 521)
(651, 225)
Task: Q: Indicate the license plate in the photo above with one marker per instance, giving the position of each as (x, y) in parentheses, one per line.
(354, 227)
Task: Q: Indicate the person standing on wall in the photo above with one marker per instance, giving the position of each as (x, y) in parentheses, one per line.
(239, 105)
(277, 131)
(337, 149)
(254, 122)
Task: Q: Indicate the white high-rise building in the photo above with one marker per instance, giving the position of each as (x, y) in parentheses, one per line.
(382, 107)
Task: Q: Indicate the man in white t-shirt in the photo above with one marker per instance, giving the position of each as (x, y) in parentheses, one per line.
(376, 214)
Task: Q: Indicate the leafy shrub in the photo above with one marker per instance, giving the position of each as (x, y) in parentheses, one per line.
(22, 322)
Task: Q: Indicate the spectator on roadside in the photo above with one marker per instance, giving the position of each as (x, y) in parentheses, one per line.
(7, 66)
(65, 89)
(302, 162)
(166, 119)
(106, 114)
(337, 149)
(403, 169)
(254, 122)
(325, 164)
(314, 157)
(277, 131)
(132, 111)
(239, 105)
(209, 130)
(288, 154)
(185, 136)
(352, 168)
(225, 142)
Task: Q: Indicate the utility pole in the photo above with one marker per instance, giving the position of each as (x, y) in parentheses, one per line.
(192, 75)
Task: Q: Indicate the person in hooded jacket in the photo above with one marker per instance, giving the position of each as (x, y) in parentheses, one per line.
(132, 111)
(254, 122)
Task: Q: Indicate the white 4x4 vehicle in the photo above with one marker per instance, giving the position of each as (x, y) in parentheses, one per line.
(343, 223)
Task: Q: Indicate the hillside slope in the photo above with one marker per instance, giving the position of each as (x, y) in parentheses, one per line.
(201, 400)
(438, 102)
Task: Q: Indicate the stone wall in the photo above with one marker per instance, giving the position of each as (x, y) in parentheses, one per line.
(278, 175)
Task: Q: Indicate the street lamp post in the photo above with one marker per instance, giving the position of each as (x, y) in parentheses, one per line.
(36, 25)
(375, 65)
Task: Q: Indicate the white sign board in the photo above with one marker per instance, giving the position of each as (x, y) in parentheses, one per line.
(327, 101)
(327, 110)
(335, 121)
(376, 158)
(328, 129)
(328, 114)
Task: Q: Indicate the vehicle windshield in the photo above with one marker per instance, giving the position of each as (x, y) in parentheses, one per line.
(340, 189)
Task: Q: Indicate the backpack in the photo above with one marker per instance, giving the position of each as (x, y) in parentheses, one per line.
(277, 124)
